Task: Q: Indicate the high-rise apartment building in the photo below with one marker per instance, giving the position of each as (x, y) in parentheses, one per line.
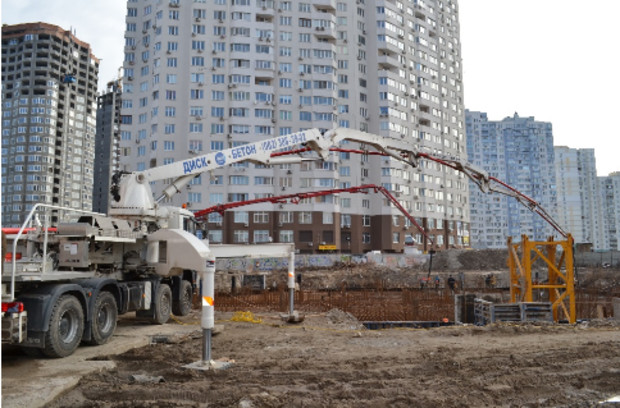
(49, 90)
(518, 151)
(202, 76)
(579, 199)
(610, 195)
(107, 148)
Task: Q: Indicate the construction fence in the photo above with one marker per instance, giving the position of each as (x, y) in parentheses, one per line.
(402, 305)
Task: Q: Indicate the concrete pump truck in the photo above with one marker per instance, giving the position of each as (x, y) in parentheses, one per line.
(66, 284)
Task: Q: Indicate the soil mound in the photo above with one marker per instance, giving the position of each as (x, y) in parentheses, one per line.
(343, 320)
(469, 260)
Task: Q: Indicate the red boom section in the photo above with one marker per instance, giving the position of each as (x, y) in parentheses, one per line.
(295, 198)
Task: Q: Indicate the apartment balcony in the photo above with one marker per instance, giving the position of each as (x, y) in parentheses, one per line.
(262, 74)
(324, 46)
(328, 33)
(325, 5)
(386, 47)
(325, 109)
(387, 61)
(424, 117)
(420, 12)
(265, 11)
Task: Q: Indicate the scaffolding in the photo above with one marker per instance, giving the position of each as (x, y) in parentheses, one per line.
(559, 287)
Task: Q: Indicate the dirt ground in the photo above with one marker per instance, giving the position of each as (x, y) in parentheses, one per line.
(330, 360)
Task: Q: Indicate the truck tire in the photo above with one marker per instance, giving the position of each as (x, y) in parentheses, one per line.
(163, 304)
(183, 305)
(105, 314)
(66, 327)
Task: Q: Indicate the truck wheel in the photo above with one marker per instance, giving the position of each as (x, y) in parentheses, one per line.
(66, 327)
(183, 305)
(163, 304)
(104, 318)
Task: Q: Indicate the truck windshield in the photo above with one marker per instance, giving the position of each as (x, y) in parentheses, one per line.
(189, 225)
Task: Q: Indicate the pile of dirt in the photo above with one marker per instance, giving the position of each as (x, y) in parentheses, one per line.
(468, 260)
(343, 320)
(355, 277)
(604, 280)
(484, 260)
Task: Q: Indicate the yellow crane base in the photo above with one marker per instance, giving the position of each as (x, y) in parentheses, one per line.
(558, 258)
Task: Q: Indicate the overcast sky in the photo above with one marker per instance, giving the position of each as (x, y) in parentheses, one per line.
(551, 59)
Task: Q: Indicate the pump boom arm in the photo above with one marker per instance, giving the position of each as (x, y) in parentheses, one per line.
(134, 192)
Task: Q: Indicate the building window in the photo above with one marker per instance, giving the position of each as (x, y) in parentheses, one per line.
(328, 218)
(196, 111)
(215, 236)
(263, 181)
(239, 180)
(395, 220)
(197, 94)
(198, 29)
(261, 217)
(286, 217)
(170, 111)
(286, 236)
(241, 217)
(305, 217)
(193, 197)
(195, 127)
(306, 236)
(241, 236)
(216, 179)
(345, 220)
(366, 220)
(217, 112)
(215, 218)
(216, 198)
(196, 181)
(261, 236)
(365, 238)
(198, 61)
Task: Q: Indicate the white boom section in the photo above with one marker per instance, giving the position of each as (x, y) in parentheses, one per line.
(407, 153)
(135, 191)
(395, 148)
